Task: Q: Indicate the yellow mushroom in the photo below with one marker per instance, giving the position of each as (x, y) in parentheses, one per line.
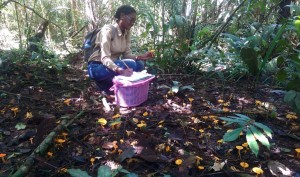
(257, 170)
(2, 157)
(92, 160)
(220, 142)
(298, 152)
(244, 165)
(200, 168)
(198, 158)
(239, 148)
(178, 162)
(245, 145)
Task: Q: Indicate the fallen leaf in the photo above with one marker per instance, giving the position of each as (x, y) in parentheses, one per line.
(279, 169)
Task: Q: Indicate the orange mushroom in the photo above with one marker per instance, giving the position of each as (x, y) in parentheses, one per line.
(298, 152)
(239, 148)
(92, 160)
(244, 165)
(60, 141)
(2, 157)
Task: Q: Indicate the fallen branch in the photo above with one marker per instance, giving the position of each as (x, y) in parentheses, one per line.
(42, 148)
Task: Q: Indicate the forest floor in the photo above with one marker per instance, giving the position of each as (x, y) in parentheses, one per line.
(147, 140)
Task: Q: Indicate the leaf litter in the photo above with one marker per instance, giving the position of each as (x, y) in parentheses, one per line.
(176, 132)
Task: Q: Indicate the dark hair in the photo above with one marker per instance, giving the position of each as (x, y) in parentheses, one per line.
(126, 9)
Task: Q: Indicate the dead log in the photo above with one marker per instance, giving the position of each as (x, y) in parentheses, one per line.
(42, 148)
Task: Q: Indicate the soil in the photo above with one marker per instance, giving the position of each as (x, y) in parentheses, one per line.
(147, 140)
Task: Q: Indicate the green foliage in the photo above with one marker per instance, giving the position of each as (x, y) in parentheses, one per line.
(249, 56)
(103, 171)
(78, 173)
(20, 126)
(254, 130)
(292, 97)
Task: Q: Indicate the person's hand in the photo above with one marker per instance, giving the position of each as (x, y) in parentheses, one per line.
(125, 72)
(146, 55)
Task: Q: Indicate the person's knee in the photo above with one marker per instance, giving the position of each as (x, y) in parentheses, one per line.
(140, 66)
(129, 62)
(99, 72)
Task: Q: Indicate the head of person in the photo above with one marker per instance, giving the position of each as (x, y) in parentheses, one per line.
(125, 16)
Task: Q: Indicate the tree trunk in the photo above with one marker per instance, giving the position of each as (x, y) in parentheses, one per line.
(73, 11)
(193, 26)
(183, 9)
(90, 15)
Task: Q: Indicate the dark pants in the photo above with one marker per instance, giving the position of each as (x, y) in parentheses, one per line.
(103, 76)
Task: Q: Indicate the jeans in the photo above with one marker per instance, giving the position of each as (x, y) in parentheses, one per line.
(103, 76)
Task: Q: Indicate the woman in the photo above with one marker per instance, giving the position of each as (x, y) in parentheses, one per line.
(115, 41)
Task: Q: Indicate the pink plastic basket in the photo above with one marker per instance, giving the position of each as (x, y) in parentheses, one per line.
(129, 94)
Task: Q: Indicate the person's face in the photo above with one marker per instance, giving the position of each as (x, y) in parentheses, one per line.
(128, 20)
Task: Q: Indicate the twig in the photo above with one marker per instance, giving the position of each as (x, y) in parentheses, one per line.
(41, 149)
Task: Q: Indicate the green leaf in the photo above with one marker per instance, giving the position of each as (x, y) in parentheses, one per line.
(123, 171)
(20, 126)
(240, 122)
(289, 96)
(281, 75)
(262, 138)
(189, 87)
(104, 171)
(280, 61)
(249, 56)
(175, 87)
(78, 173)
(163, 87)
(265, 128)
(297, 101)
(252, 142)
(233, 135)
(131, 175)
(246, 118)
